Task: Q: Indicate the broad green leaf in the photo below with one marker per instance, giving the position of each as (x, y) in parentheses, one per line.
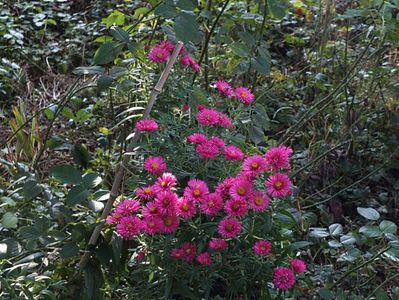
(104, 82)
(80, 155)
(115, 18)
(186, 28)
(319, 232)
(9, 248)
(326, 294)
(31, 189)
(106, 53)
(91, 180)
(370, 231)
(69, 250)
(261, 64)
(9, 220)
(29, 233)
(369, 213)
(66, 174)
(347, 239)
(187, 4)
(278, 8)
(120, 34)
(335, 229)
(381, 294)
(77, 195)
(300, 245)
(388, 227)
(166, 11)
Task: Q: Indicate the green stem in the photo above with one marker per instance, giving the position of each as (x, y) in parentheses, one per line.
(382, 284)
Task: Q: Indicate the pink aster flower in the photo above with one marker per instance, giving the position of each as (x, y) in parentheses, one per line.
(185, 107)
(262, 247)
(165, 183)
(212, 204)
(186, 208)
(155, 165)
(225, 121)
(278, 157)
(207, 150)
(186, 60)
(150, 210)
(298, 265)
(197, 138)
(208, 117)
(254, 165)
(195, 66)
(218, 244)
(217, 141)
(129, 227)
(233, 153)
(189, 251)
(236, 207)
(152, 225)
(244, 95)
(166, 202)
(127, 207)
(145, 193)
(169, 224)
(196, 190)
(201, 107)
(224, 88)
(229, 227)
(259, 201)
(167, 45)
(278, 185)
(205, 259)
(223, 188)
(159, 55)
(114, 218)
(241, 189)
(283, 278)
(177, 253)
(147, 125)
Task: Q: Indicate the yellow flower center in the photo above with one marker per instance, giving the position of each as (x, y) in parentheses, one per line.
(155, 165)
(151, 224)
(168, 221)
(185, 207)
(243, 94)
(164, 183)
(258, 200)
(211, 203)
(229, 227)
(241, 191)
(197, 192)
(278, 185)
(147, 191)
(236, 206)
(254, 165)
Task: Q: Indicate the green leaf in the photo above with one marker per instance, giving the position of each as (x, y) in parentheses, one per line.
(187, 4)
(115, 18)
(278, 8)
(166, 11)
(120, 34)
(368, 213)
(80, 155)
(77, 195)
(381, 294)
(335, 229)
(300, 245)
(326, 294)
(104, 82)
(347, 239)
(91, 180)
(69, 250)
(370, 231)
(256, 134)
(9, 248)
(29, 233)
(319, 232)
(388, 227)
(106, 53)
(66, 174)
(186, 28)
(9, 220)
(31, 189)
(93, 70)
(261, 64)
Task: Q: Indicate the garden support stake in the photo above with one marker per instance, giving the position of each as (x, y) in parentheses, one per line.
(124, 163)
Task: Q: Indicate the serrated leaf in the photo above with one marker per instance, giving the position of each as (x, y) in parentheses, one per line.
(186, 28)
(368, 213)
(66, 174)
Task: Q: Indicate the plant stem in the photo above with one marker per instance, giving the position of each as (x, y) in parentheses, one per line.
(124, 164)
(360, 266)
(382, 284)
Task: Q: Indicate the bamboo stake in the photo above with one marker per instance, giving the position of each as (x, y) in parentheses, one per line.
(123, 165)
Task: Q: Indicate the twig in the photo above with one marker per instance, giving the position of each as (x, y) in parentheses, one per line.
(123, 165)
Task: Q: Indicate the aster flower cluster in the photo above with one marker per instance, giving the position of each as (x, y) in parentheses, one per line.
(161, 52)
(242, 94)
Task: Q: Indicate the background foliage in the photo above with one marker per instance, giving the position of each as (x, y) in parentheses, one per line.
(75, 76)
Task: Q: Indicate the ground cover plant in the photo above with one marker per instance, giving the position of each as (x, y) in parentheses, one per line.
(264, 166)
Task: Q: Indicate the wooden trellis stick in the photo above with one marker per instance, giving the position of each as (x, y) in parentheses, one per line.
(124, 163)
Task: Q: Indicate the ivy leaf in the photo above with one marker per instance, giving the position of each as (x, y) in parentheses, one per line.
(9, 220)
(368, 213)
